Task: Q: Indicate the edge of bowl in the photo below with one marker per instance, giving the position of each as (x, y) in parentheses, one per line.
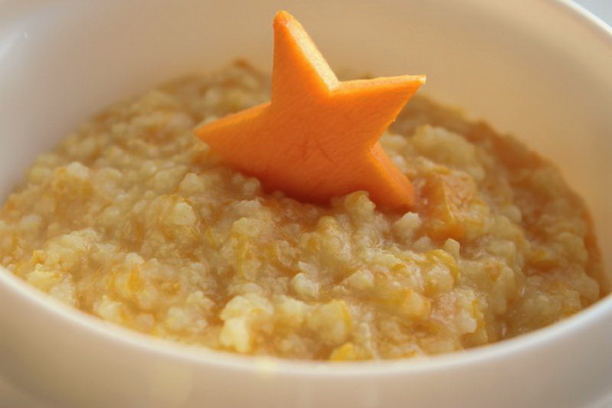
(201, 355)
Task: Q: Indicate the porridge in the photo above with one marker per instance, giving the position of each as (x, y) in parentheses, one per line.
(134, 220)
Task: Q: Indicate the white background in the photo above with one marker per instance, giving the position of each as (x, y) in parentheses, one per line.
(11, 398)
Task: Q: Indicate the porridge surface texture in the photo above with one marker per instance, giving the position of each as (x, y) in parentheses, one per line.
(134, 220)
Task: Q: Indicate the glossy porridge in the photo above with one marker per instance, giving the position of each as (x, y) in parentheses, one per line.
(133, 219)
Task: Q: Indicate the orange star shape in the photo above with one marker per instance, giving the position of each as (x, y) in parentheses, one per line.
(318, 137)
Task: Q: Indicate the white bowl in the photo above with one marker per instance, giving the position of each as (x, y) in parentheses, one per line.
(539, 69)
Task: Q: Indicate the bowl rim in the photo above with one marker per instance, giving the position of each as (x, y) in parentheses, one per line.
(582, 15)
(200, 356)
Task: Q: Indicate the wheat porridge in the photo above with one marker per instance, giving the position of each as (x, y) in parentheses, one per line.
(134, 220)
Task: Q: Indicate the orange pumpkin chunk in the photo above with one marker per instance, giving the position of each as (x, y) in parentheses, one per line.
(449, 199)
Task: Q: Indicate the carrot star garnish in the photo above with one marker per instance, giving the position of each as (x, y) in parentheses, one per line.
(318, 137)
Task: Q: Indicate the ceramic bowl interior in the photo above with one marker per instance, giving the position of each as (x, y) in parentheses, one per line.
(543, 75)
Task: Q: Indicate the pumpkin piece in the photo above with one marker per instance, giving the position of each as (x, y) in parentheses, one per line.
(318, 137)
(449, 200)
